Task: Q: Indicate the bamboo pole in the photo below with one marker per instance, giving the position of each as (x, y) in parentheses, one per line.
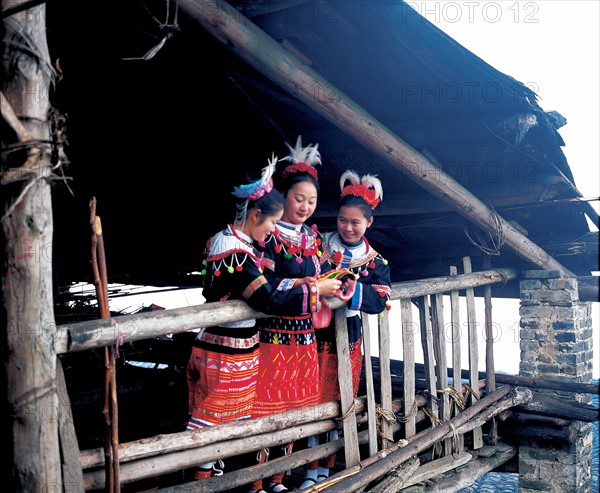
(78, 336)
(28, 325)
(263, 53)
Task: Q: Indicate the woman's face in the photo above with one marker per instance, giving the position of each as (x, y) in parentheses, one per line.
(352, 224)
(300, 202)
(264, 226)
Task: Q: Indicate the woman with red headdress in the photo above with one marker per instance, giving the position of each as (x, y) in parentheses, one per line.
(223, 367)
(289, 371)
(347, 248)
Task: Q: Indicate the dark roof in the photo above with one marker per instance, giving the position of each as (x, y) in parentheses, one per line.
(161, 142)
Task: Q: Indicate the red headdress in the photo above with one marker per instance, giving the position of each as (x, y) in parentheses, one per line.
(367, 188)
(303, 159)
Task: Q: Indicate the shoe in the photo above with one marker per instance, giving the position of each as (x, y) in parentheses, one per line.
(205, 473)
(321, 477)
(308, 482)
(277, 488)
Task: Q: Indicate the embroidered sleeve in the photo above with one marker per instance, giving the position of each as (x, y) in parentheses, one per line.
(253, 286)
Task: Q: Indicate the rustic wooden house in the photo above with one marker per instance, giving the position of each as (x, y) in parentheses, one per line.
(156, 108)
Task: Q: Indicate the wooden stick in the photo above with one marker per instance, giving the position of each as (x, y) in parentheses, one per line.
(110, 408)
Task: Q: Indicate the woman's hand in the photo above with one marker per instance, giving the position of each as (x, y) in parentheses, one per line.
(328, 287)
(304, 280)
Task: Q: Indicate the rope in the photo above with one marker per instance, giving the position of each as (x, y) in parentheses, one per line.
(410, 415)
(496, 243)
(456, 398)
(471, 390)
(389, 416)
(435, 421)
(346, 415)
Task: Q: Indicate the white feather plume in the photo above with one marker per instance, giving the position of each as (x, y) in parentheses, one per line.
(298, 154)
(371, 181)
(350, 176)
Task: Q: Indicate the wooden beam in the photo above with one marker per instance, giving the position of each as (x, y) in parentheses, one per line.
(417, 204)
(78, 336)
(263, 53)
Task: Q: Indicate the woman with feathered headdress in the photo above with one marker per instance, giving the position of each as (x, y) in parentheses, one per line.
(289, 376)
(223, 367)
(348, 248)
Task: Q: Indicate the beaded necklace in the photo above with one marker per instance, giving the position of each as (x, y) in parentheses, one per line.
(298, 245)
(230, 259)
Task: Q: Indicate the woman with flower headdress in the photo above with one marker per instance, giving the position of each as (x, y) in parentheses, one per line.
(223, 367)
(348, 248)
(289, 372)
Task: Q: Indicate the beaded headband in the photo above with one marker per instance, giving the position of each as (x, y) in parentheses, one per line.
(255, 190)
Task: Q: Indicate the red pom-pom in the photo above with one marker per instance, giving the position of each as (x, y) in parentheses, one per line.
(277, 248)
(217, 273)
(337, 258)
(372, 265)
(239, 268)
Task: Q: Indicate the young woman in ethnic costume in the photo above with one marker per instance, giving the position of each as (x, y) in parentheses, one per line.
(289, 371)
(223, 366)
(348, 248)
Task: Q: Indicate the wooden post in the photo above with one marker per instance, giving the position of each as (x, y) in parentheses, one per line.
(408, 356)
(385, 372)
(346, 390)
(30, 331)
(473, 352)
(428, 355)
(490, 370)
(439, 346)
(456, 349)
(371, 412)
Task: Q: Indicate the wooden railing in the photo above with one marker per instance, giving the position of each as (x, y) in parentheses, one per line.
(382, 426)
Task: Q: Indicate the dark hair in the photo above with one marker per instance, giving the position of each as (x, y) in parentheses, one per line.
(269, 204)
(293, 178)
(355, 201)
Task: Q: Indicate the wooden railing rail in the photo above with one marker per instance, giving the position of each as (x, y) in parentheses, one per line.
(89, 334)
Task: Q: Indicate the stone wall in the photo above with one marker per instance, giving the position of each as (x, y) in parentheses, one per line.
(556, 343)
